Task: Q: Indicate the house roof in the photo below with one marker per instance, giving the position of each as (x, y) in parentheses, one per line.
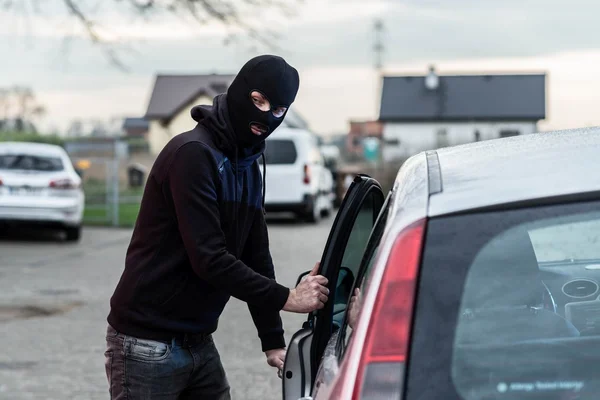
(135, 123)
(464, 98)
(171, 93)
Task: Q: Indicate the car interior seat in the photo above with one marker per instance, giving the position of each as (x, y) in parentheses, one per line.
(505, 299)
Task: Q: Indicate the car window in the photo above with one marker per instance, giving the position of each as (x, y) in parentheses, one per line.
(508, 306)
(353, 252)
(368, 260)
(28, 162)
(280, 151)
(578, 242)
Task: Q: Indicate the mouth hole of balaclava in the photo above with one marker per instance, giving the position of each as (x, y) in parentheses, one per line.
(258, 129)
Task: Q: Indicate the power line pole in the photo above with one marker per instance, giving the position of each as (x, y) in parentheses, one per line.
(378, 46)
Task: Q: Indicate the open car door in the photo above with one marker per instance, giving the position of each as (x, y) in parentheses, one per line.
(339, 264)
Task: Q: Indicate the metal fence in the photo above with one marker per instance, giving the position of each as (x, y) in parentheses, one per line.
(110, 198)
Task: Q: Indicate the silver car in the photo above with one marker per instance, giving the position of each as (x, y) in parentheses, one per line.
(39, 186)
(478, 278)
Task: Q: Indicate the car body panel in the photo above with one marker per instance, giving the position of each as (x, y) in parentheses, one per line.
(294, 384)
(512, 170)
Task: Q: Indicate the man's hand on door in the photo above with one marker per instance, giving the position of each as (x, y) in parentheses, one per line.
(276, 358)
(310, 294)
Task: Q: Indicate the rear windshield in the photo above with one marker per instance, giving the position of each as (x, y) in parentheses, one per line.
(279, 151)
(28, 162)
(509, 306)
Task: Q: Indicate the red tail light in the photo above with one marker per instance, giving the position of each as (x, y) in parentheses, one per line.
(1, 183)
(387, 338)
(306, 174)
(374, 363)
(64, 184)
(386, 347)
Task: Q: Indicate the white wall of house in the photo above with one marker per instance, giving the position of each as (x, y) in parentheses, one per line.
(159, 135)
(402, 140)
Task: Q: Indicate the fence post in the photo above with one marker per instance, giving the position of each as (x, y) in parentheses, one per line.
(115, 187)
(108, 187)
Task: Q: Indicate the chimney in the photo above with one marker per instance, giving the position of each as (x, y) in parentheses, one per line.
(432, 80)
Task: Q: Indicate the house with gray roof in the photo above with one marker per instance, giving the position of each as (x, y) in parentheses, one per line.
(135, 127)
(421, 113)
(172, 98)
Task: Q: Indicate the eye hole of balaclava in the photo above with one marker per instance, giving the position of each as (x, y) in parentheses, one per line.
(259, 98)
(263, 104)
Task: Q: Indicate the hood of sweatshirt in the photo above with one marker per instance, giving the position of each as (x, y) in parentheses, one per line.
(216, 119)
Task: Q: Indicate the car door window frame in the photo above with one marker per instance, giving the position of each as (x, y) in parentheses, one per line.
(305, 352)
(370, 252)
(333, 256)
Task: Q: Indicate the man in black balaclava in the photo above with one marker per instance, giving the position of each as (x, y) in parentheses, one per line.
(201, 237)
(271, 86)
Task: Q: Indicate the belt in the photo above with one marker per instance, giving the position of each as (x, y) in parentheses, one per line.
(189, 339)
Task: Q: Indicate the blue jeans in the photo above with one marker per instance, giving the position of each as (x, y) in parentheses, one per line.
(154, 370)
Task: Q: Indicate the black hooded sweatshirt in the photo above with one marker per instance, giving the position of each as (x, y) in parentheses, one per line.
(201, 236)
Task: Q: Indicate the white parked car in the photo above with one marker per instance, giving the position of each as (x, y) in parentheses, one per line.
(297, 179)
(39, 186)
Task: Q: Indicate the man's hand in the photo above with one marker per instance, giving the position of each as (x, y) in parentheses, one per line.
(310, 294)
(276, 358)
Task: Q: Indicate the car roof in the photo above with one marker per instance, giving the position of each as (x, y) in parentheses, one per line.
(513, 170)
(32, 148)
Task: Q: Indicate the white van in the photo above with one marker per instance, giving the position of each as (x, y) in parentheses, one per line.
(297, 179)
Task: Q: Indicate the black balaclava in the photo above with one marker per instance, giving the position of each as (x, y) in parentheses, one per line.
(276, 80)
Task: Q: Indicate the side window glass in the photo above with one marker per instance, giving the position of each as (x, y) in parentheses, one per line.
(355, 247)
(368, 260)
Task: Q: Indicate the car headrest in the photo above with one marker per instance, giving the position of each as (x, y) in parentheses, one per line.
(505, 273)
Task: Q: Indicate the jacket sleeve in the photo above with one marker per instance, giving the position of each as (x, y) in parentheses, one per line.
(192, 181)
(257, 256)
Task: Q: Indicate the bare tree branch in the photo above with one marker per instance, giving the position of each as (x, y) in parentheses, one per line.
(89, 26)
(94, 36)
(235, 15)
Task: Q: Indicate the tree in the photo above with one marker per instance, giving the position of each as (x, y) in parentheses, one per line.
(19, 107)
(4, 103)
(233, 14)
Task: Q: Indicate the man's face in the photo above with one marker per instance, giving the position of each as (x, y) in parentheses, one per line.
(263, 104)
(259, 97)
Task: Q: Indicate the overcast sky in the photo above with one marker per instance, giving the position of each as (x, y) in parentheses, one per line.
(330, 42)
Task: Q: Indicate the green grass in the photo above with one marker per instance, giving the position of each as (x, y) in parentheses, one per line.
(30, 137)
(99, 216)
(94, 187)
(96, 212)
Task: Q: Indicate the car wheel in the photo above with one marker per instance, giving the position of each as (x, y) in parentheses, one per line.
(314, 215)
(326, 213)
(73, 233)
